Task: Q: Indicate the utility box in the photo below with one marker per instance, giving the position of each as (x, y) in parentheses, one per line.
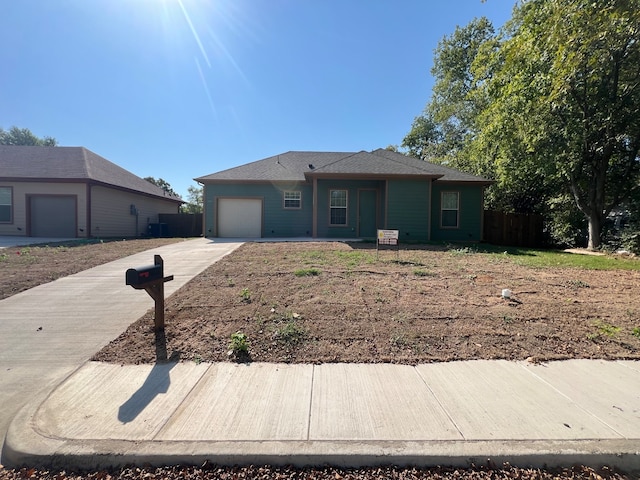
(158, 230)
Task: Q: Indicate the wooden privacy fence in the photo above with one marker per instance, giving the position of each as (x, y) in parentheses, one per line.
(513, 229)
(181, 224)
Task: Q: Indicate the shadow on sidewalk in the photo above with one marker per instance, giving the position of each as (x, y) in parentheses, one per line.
(157, 382)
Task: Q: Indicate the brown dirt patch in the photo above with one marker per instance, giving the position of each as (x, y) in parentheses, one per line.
(26, 267)
(431, 305)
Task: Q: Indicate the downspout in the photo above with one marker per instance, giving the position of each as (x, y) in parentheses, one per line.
(482, 214)
(204, 210)
(386, 204)
(314, 207)
(89, 206)
(429, 209)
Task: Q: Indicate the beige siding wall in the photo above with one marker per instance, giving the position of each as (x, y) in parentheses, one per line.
(111, 212)
(22, 189)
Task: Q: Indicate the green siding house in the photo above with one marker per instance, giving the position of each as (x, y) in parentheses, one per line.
(343, 195)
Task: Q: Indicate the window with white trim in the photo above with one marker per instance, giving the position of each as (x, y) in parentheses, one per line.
(338, 207)
(450, 210)
(6, 205)
(292, 199)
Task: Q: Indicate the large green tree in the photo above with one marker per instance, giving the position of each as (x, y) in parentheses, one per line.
(24, 136)
(566, 97)
(549, 108)
(448, 123)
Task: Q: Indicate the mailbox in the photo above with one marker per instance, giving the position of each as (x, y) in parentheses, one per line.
(151, 278)
(140, 276)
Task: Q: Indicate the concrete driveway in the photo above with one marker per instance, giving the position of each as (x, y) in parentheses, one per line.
(7, 241)
(49, 331)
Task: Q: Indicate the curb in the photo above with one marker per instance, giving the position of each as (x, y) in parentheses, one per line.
(24, 445)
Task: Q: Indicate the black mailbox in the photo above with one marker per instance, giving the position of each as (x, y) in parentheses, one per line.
(138, 277)
(151, 278)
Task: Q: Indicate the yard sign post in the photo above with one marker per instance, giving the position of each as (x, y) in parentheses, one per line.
(388, 237)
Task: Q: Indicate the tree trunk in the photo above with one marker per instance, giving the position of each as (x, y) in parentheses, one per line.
(595, 229)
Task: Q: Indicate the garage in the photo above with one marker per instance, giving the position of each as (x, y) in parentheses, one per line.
(52, 216)
(239, 217)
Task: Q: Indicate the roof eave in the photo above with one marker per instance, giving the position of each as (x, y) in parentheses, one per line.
(98, 183)
(371, 176)
(485, 183)
(212, 181)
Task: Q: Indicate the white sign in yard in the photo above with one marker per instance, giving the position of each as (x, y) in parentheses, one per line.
(388, 237)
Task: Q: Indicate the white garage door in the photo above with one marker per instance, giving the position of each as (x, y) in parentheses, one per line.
(239, 217)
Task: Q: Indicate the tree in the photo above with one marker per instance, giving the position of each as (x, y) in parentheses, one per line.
(425, 139)
(566, 97)
(24, 136)
(448, 123)
(163, 184)
(548, 108)
(194, 200)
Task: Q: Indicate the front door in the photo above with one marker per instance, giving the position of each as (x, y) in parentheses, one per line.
(367, 213)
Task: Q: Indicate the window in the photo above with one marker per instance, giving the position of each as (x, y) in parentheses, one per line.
(292, 199)
(449, 209)
(338, 207)
(6, 205)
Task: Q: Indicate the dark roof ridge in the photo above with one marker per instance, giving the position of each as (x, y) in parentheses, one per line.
(87, 163)
(437, 175)
(351, 154)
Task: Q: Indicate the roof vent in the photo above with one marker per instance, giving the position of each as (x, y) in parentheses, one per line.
(311, 167)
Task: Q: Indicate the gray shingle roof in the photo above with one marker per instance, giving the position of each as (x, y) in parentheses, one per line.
(70, 163)
(448, 174)
(300, 166)
(289, 166)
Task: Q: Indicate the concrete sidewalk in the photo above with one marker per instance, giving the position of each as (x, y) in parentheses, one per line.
(47, 332)
(459, 413)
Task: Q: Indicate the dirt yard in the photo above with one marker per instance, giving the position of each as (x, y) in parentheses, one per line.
(26, 267)
(338, 302)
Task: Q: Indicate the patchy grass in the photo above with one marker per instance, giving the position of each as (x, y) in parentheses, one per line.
(428, 305)
(538, 258)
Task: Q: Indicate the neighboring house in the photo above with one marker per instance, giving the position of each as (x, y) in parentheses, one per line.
(344, 195)
(72, 192)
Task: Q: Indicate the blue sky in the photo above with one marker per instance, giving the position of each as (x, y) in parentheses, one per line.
(183, 88)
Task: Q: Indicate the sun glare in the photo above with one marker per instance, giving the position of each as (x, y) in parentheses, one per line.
(208, 32)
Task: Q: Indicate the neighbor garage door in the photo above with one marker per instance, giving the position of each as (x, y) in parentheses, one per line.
(240, 217)
(52, 216)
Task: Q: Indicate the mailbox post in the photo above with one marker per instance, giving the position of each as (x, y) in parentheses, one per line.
(151, 279)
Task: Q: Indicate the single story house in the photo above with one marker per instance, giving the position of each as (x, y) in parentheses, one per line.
(344, 195)
(71, 192)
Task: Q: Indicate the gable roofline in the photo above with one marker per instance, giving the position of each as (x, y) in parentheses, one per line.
(72, 164)
(304, 166)
(446, 174)
(287, 166)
